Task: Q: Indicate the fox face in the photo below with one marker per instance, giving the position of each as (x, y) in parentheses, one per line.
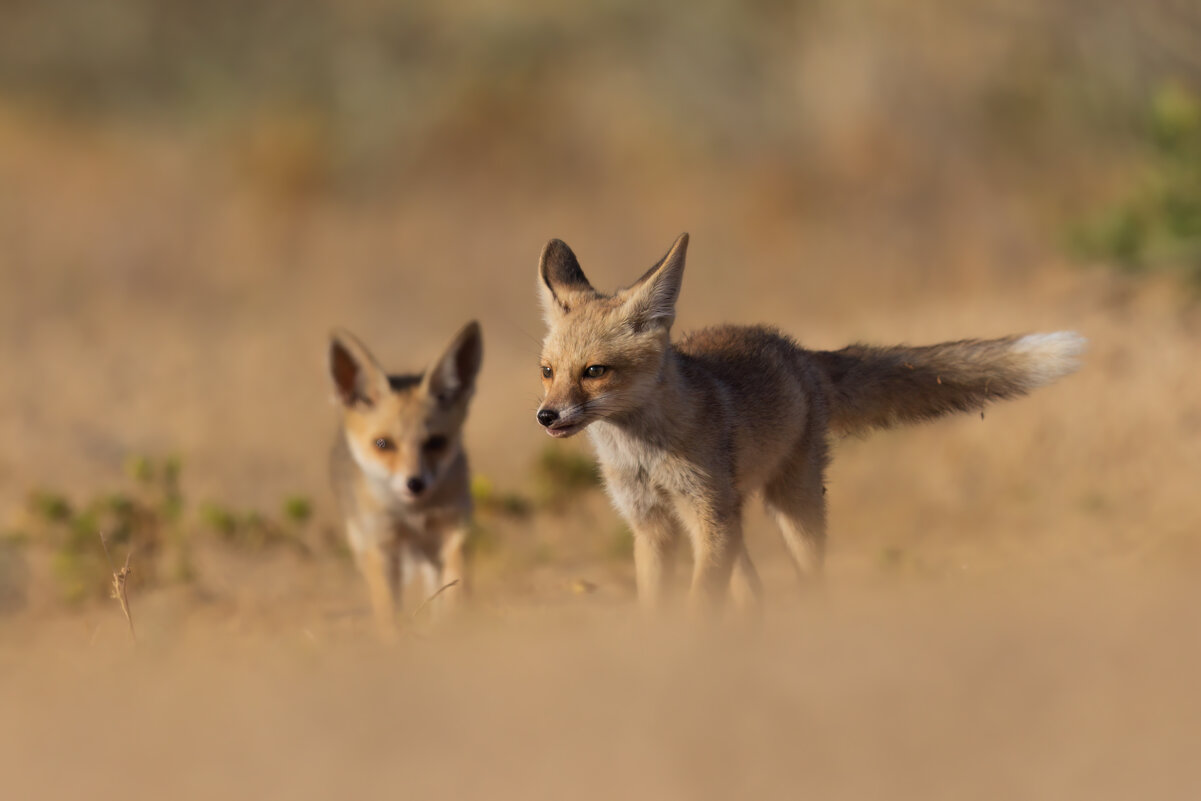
(603, 354)
(404, 431)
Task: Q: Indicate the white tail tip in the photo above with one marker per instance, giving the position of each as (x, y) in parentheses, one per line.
(1051, 356)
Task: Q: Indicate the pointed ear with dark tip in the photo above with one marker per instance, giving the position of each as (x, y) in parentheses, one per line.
(651, 300)
(356, 374)
(563, 284)
(452, 377)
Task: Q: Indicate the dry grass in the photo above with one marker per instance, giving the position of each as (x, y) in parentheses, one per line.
(119, 578)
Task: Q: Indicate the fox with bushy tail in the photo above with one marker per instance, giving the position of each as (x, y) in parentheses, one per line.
(685, 431)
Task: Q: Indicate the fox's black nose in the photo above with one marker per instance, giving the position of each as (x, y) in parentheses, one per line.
(547, 416)
(415, 485)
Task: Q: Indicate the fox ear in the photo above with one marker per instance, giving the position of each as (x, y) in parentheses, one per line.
(452, 377)
(564, 285)
(651, 300)
(356, 374)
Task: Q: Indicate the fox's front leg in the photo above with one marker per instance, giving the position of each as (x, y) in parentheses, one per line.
(380, 567)
(656, 543)
(656, 535)
(453, 558)
(716, 534)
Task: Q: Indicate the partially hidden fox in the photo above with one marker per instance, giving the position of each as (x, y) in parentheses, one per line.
(399, 469)
(685, 431)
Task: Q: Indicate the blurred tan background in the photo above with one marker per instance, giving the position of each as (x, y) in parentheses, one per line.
(192, 195)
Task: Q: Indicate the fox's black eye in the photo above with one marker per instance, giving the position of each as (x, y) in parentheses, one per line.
(385, 444)
(547, 372)
(435, 443)
(595, 371)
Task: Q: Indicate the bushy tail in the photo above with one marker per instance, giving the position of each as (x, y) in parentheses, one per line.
(884, 387)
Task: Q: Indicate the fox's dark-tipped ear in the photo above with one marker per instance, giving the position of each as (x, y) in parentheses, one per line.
(562, 283)
(357, 376)
(452, 378)
(651, 300)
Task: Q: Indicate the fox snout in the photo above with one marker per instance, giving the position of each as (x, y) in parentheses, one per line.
(560, 424)
(412, 483)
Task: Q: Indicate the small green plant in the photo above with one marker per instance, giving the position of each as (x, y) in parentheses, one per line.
(49, 506)
(74, 574)
(1157, 226)
(562, 473)
(297, 514)
(490, 502)
(219, 519)
(253, 531)
(297, 510)
(147, 521)
(139, 469)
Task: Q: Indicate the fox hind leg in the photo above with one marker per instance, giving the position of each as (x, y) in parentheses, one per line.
(796, 498)
(745, 588)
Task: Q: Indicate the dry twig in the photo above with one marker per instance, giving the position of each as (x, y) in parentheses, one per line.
(430, 599)
(119, 577)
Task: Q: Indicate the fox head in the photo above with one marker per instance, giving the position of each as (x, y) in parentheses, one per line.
(603, 354)
(404, 430)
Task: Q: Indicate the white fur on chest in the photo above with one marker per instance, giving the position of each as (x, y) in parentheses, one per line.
(625, 456)
(640, 477)
(389, 515)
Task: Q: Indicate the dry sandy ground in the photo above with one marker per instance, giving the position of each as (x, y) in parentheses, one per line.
(1087, 691)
